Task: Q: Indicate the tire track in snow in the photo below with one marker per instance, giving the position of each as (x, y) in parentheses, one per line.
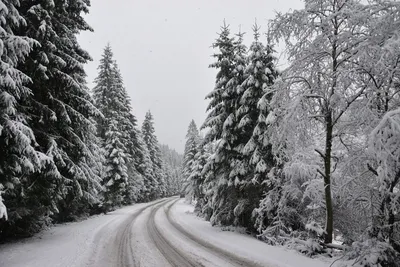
(174, 256)
(230, 257)
(118, 252)
(125, 253)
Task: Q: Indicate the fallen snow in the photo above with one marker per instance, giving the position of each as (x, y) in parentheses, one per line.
(240, 244)
(72, 244)
(93, 242)
(189, 247)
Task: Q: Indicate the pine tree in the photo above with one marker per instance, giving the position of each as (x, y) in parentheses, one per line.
(197, 177)
(104, 81)
(145, 168)
(60, 110)
(18, 156)
(113, 101)
(222, 125)
(192, 142)
(256, 157)
(116, 177)
(129, 134)
(151, 142)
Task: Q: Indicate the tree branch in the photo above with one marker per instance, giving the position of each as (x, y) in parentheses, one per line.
(372, 169)
(321, 173)
(320, 153)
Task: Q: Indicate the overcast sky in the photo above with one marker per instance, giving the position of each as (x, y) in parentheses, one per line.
(163, 50)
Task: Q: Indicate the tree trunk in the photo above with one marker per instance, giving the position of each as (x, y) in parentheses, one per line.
(327, 178)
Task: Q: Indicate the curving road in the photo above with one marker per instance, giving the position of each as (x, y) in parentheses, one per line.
(231, 258)
(162, 233)
(172, 254)
(150, 237)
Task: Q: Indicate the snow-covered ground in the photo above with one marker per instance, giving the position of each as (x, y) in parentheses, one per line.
(161, 233)
(242, 245)
(72, 244)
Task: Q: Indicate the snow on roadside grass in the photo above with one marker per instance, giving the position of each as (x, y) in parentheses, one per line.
(243, 245)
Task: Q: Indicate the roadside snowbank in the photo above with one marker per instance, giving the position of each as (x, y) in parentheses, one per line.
(242, 245)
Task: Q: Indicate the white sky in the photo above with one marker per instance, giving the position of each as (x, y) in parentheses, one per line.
(163, 50)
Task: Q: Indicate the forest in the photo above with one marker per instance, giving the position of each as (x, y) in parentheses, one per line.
(306, 156)
(303, 154)
(68, 151)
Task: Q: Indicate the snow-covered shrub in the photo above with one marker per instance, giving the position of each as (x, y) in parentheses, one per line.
(373, 253)
(309, 247)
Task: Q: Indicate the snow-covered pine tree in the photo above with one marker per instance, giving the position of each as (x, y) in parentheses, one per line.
(192, 142)
(113, 101)
(153, 147)
(103, 82)
(129, 134)
(197, 177)
(60, 109)
(145, 168)
(256, 157)
(18, 156)
(116, 176)
(222, 125)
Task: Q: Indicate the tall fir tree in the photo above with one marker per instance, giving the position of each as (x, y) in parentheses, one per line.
(256, 156)
(119, 124)
(150, 139)
(222, 126)
(129, 134)
(18, 156)
(150, 184)
(116, 177)
(197, 176)
(60, 110)
(191, 146)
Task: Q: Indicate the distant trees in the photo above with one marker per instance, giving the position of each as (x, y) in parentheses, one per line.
(134, 167)
(172, 169)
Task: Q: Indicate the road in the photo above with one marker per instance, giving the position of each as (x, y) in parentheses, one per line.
(162, 233)
(150, 237)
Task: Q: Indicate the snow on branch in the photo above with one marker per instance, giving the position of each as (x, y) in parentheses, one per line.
(3, 209)
(385, 145)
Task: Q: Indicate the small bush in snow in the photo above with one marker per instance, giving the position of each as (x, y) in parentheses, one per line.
(309, 247)
(373, 253)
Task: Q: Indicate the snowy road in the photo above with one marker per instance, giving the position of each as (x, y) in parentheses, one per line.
(160, 233)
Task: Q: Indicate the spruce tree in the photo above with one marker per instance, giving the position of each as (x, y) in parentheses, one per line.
(113, 101)
(102, 90)
(116, 177)
(222, 126)
(191, 146)
(256, 157)
(197, 176)
(18, 156)
(151, 142)
(60, 110)
(145, 168)
(129, 134)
